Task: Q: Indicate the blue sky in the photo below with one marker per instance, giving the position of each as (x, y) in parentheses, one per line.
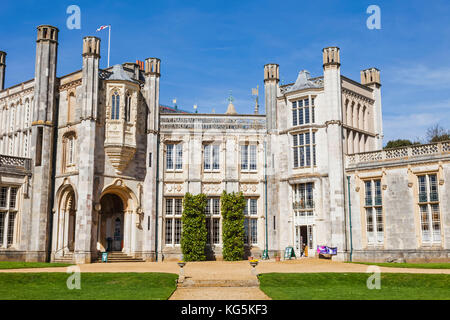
(208, 48)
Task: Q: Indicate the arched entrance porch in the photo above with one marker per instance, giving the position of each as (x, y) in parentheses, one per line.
(117, 220)
(111, 226)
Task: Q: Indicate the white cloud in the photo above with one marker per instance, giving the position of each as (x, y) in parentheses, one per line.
(421, 75)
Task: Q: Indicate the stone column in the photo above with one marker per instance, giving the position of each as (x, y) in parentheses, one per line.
(85, 243)
(42, 148)
(333, 98)
(154, 159)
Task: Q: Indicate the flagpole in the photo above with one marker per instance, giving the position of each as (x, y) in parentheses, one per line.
(109, 44)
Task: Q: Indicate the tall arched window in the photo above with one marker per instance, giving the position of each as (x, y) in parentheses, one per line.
(115, 110)
(128, 107)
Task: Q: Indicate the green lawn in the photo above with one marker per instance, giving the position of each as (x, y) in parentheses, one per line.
(30, 265)
(352, 286)
(94, 286)
(408, 265)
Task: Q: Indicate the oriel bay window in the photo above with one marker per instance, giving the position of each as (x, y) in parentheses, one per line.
(212, 212)
(430, 221)
(304, 148)
(173, 225)
(251, 221)
(174, 156)
(8, 215)
(374, 212)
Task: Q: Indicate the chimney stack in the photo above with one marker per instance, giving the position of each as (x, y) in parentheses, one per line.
(2, 69)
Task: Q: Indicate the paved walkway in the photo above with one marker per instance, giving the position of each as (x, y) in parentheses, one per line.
(227, 274)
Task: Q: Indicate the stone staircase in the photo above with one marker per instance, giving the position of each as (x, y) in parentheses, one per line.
(68, 258)
(119, 257)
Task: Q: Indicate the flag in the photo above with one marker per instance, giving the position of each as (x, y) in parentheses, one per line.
(255, 92)
(102, 28)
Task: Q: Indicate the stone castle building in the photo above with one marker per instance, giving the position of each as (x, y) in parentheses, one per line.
(91, 161)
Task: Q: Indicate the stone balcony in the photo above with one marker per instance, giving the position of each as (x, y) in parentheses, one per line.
(435, 151)
(16, 165)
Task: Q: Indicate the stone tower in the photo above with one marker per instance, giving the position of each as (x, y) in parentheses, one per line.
(151, 207)
(42, 140)
(2, 69)
(271, 86)
(84, 246)
(333, 122)
(371, 78)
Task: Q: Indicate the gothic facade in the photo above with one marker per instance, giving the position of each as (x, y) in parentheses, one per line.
(91, 162)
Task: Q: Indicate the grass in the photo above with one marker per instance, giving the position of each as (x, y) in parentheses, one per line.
(94, 286)
(30, 265)
(408, 265)
(352, 286)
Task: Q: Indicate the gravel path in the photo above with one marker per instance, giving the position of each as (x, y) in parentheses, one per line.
(222, 270)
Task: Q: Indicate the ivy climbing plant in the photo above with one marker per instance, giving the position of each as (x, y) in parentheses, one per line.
(194, 233)
(233, 205)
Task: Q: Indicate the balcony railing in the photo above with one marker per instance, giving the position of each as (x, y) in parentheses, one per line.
(417, 151)
(15, 163)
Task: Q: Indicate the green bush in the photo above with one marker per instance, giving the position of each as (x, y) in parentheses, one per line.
(194, 233)
(233, 205)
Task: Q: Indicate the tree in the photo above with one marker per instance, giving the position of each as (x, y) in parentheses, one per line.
(194, 234)
(233, 205)
(400, 143)
(436, 133)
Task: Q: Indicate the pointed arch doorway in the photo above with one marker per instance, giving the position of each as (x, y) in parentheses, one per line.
(111, 226)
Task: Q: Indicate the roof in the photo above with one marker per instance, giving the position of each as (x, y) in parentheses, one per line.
(304, 81)
(118, 73)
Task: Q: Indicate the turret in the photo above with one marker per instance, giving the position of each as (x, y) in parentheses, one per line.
(371, 78)
(91, 58)
(2, 69)
(152, 76)
(42, 147)
(271, 86)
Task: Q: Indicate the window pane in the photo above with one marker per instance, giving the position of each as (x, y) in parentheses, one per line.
(244, 157)
(216, 206)
(13, 198)
(216, 231)
(11, 228)
(179, 159)
(215, 156)
(177, 231)
(207, 157)
(253, 157)
(3, 196)
(178, 207)
(169, 157)
(253, 207)
(2, 226)
(169, 207)
(254, 231)
(168, 231)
